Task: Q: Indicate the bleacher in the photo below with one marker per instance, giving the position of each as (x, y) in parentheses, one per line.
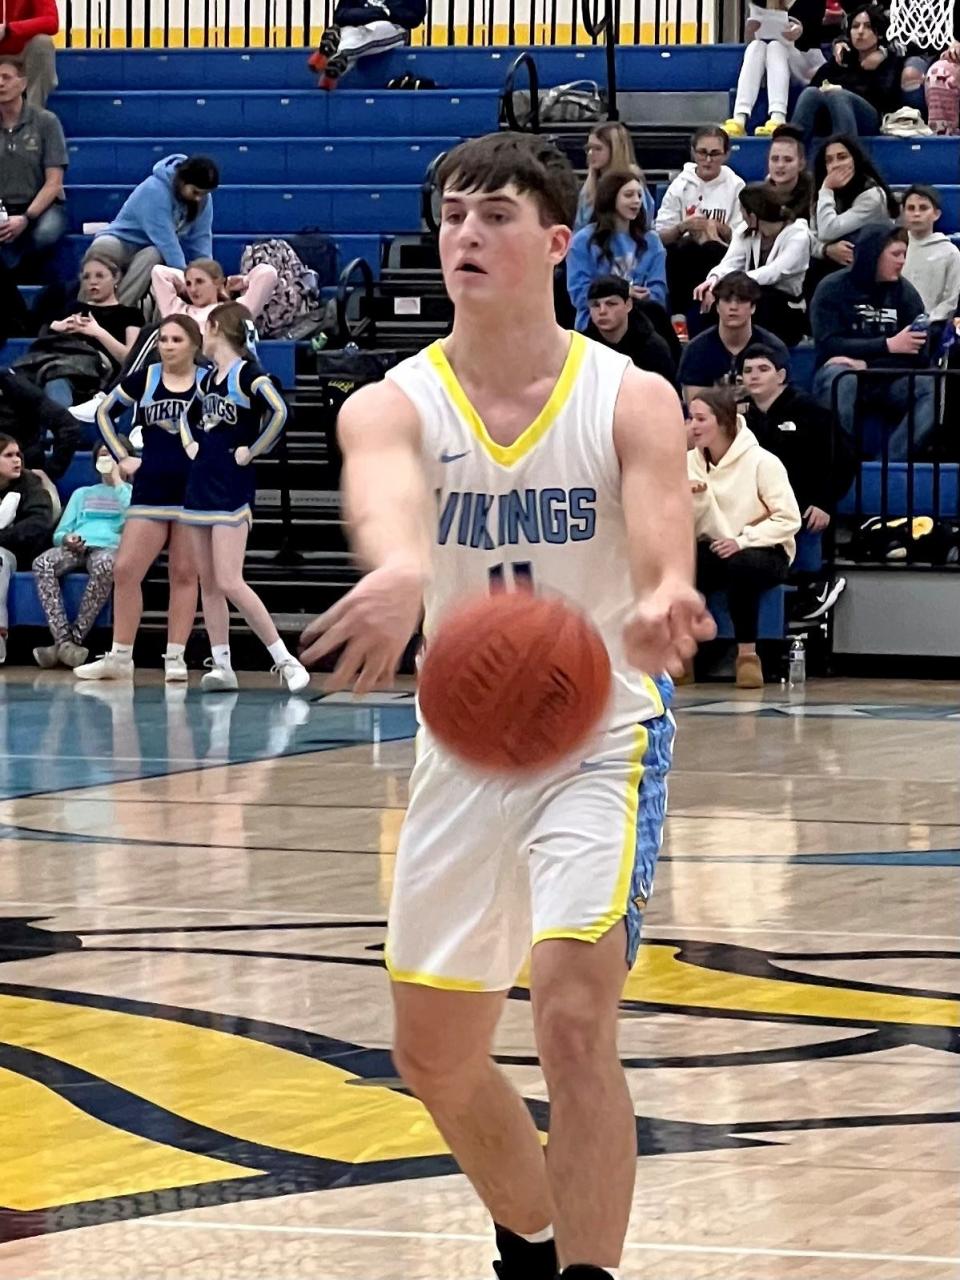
(351, 164)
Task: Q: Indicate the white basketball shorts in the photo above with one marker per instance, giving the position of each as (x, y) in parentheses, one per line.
(488, 868)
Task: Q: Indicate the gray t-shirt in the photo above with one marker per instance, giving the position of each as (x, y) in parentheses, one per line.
(34, 144)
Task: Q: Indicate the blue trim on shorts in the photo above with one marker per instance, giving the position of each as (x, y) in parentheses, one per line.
(651, 811)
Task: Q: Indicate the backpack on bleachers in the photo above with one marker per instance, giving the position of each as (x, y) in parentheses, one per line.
(297, 295)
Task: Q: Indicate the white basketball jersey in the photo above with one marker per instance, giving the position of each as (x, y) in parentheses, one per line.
(545, 511)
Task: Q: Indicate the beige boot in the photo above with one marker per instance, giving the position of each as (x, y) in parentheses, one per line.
(749, 672)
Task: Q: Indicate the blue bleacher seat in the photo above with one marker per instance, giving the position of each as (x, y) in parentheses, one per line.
(900, 160)
(24, 603)
(228, 248)
(871, 503)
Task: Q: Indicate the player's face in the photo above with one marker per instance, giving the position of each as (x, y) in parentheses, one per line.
(891, 262)
(201, 288)
(761, 378)
(611, 314)
(176, 349)
(12, 84)
(493, 246)
(11, 463)
(784, 164)
(862, 35)
(919, 215)
(704, 430)
(97, 282)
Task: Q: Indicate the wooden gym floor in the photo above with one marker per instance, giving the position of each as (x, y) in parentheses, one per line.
(194, 1080)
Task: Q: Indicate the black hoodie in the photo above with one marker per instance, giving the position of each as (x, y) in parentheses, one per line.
(643, 345)
(853, 314)
(797, 431)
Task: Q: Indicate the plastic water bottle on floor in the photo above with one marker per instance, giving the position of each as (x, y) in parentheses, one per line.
(797, 666)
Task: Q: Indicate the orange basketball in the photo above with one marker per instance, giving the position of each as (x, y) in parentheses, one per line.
(514, 682)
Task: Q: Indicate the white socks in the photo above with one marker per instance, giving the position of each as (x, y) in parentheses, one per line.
(538, 1237)
(123, 651)
(175, 650)
(221, 656)
(279, 652)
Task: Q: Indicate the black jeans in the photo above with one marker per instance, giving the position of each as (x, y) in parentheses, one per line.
(744, 577)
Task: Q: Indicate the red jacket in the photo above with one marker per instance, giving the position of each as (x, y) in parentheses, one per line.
(24, 19)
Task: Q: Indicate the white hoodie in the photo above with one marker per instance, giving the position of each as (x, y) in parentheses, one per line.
(688, 196)
(933, 268)
(786, 263)
(748, 496)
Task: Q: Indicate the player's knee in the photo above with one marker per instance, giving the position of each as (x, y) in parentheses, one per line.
(432, 1065)
(125, 573)
(912, 78)
(182, 577)
(228, 584)
(573, 1031)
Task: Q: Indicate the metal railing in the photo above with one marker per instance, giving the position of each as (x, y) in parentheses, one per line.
(171, 24)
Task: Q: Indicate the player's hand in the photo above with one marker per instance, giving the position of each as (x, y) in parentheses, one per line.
(374, 623)
(191, 450)
(128, 467)
(666, 628)
(839, 177)
(241, 455)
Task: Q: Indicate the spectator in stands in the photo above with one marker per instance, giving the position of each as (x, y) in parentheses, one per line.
(698, 216)
(863, 319)
(851, 195)
(33, 156)
(26, 521)
(773, 249)
(203, 286)
(859, 86)
(921, 80)
(615, 322)
(168, 218)
(771, 54)
(787, 172)
(47, 433)
(746, 518)
(794, 428)
(617, 243)
(933, 260)
(158, 396)
(360, 29)
(609, 149)
(27, 28)
(85, 540)
(94, 337)
(716, 356)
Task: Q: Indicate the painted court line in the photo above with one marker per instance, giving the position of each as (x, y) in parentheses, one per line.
(910, 1259)
(272, 913)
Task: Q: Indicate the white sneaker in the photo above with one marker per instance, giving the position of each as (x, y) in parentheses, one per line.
(87, 412)
(295, 673)
(109, 666)
(218, 679)
(174, 669)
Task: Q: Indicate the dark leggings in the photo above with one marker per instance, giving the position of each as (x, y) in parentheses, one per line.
(744, 577)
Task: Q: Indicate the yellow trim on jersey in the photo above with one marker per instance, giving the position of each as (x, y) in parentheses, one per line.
(507, 455)
(437, 981)
(650, 686)
(618, 906)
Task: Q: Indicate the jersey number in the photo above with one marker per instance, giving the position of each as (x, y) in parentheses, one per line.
(522, 572)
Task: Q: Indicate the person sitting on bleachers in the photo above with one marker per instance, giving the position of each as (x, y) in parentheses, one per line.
(167, 218)
(863, 318)
(32, 160)
(615, 321)
(861, 83)
(26, 32)
(203, 286)
(787, 172)
(773, 249)
(47, 433)
(85, 540)
(851, 195)
(97, 332)
(921, 79)
(771, 54)
(617, 243)
(746, 518)
(360, 28)
(609, 149)
(698, 216)
(933, 260)
(26, 521)
(716, 356)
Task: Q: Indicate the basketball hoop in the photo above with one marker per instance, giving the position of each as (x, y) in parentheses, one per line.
(925, 23)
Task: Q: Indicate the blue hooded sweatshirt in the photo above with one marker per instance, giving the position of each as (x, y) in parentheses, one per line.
(645, 267)
(853, 314)
(152, 214)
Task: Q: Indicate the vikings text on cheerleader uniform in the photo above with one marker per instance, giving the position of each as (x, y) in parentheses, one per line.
(242, 408)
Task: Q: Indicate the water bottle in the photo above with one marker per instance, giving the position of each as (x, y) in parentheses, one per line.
(4, 216)
(797, 666)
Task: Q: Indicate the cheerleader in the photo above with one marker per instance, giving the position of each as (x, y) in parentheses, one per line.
(243, 416)
(160, 396)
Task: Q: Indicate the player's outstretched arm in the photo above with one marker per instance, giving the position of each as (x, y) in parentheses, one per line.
(386, 507)
(650, 436)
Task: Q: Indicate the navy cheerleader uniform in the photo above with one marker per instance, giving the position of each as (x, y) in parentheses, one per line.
(160, 482)
(242, 408)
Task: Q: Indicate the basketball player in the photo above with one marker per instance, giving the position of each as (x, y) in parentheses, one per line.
(516, 453)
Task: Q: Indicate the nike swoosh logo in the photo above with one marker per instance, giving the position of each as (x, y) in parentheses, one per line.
(452, 457)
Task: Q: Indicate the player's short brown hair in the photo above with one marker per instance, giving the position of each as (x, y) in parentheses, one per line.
(533, 165)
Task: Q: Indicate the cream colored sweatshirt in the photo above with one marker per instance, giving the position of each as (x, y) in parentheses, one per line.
(748, 496)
